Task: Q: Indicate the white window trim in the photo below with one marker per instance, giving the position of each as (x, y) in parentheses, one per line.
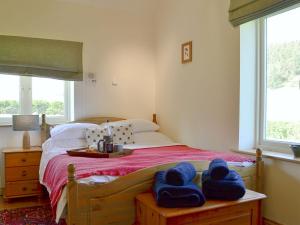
(68, 103)
(25, 95)
(261, 142)
(25, 100)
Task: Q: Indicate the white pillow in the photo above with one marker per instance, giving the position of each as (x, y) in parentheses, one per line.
(141, 125)
(53, 145)
(122, 134)
(93, 135)
(152, 138)
(71, 130)
(138, 125)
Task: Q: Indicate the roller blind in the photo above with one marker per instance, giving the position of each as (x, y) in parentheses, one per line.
(242, 11)
(41, 58)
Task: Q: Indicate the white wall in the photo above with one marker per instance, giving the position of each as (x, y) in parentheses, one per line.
(248, 83)
(198, 103)
(281, 179)
(282, 185)
(118, 43)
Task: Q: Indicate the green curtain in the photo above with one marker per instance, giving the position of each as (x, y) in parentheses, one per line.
(242, 11)
(41, 58)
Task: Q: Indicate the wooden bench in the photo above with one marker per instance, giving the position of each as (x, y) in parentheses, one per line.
(246, 211)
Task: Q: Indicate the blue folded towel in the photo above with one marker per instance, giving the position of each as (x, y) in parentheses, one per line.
(170, 196)
(182, 174)
(218, 169)
(231, 187)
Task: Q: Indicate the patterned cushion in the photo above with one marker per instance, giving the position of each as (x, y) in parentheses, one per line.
(122, 134)
(93, 135)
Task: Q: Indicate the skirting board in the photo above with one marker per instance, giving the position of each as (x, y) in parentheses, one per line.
(270, 222)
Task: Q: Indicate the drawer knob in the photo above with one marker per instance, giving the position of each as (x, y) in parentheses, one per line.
(24, 189)
(23, 160)
(24, 173)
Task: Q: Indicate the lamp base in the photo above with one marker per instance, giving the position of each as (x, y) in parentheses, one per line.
(26, 140)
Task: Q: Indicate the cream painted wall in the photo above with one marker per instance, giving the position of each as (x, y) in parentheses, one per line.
(198, 103)
(282, 185)
(118, 44)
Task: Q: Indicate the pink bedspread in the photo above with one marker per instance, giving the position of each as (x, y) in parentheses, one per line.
(55, 176)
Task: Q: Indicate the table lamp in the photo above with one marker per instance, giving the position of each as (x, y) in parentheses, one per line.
(26, 123)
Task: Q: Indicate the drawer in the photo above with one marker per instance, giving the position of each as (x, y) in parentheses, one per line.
(21, 173)
(22, 159)
(22, 188)
(238, 219)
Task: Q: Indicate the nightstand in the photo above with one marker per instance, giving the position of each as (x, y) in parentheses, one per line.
(22, 172)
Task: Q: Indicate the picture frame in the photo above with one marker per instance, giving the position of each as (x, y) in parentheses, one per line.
(187, 52)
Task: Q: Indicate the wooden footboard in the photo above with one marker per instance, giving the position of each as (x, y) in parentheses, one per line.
(114, 202)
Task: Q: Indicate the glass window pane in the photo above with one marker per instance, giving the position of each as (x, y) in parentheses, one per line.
(9, 95)
(283, 77)
(48, 96)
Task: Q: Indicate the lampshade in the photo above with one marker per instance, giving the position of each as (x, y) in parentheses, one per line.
(25, 122)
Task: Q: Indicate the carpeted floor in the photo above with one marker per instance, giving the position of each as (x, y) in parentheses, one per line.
(39, 215)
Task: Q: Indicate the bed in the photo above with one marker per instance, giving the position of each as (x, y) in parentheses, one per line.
(110, 198)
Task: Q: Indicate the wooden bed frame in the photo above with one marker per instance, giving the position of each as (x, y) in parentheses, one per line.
(114, 202)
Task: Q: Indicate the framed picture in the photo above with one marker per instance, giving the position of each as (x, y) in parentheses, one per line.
(187, 52)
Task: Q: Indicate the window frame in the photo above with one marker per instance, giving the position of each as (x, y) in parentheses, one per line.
(25, 102)
(261, 43)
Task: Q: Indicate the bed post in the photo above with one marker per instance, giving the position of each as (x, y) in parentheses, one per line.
(154, 118)
(71, 194)
(71, 173)
(45, 129)
(259, 170)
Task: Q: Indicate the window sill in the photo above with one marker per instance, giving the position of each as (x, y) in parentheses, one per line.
(272, 155)
(5, 125)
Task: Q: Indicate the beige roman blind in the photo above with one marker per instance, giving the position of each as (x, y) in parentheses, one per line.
(41, 58)
(242, 11)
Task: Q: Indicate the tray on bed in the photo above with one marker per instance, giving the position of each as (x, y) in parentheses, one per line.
(85, 152)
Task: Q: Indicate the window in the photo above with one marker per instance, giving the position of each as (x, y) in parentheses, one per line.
(9, 97)
(26, 95)
(280, 79)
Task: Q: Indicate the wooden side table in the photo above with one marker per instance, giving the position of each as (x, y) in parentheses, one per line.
(22, 172)
(246, 211)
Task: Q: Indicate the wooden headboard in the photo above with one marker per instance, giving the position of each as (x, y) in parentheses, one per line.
(45, 127)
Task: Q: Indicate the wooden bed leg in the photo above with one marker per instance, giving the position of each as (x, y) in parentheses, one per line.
(71, 195)
(259, 170)
(154, 118)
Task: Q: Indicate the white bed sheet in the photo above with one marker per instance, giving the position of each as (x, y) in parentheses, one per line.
(52, 148)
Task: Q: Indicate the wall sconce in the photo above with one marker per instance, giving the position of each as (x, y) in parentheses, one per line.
(92, 78)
